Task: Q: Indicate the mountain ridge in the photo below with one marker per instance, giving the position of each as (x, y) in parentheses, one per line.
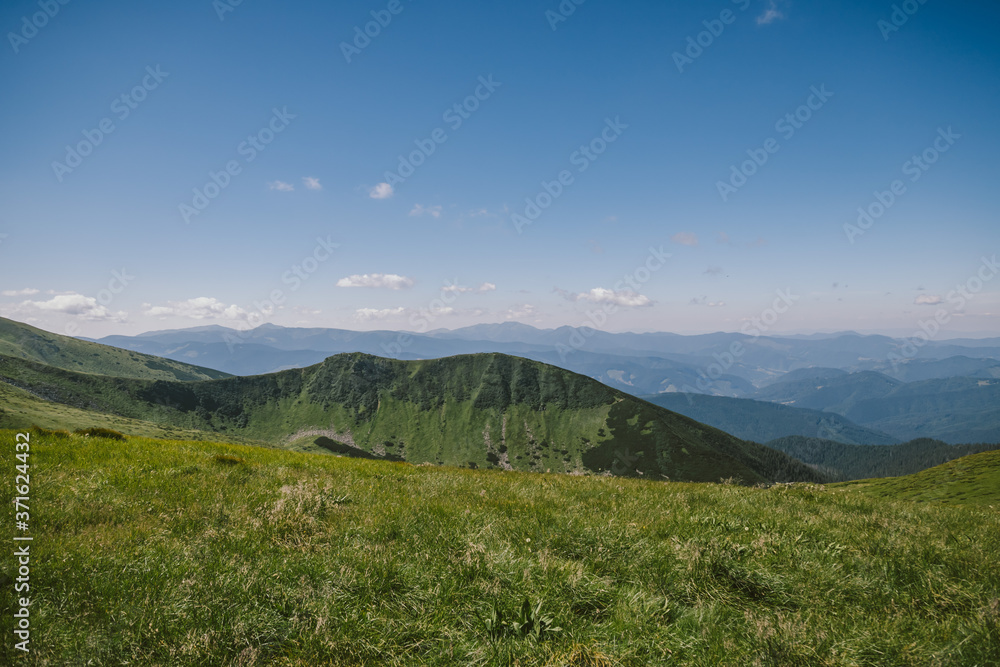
(469, 410)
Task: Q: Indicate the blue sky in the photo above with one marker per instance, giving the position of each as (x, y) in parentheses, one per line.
(102, 243)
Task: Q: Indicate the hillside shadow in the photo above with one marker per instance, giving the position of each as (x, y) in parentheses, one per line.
(342, 449)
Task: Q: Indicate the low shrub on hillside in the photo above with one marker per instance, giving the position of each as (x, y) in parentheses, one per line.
(48, 433)
(99, 432)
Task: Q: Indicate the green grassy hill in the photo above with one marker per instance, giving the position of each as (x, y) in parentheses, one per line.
(487, 410)
(22, 341)
(843, 462)
(971, 480)
(196, 553)
(20, 409)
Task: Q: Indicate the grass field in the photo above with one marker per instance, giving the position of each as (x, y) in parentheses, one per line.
(151, 552)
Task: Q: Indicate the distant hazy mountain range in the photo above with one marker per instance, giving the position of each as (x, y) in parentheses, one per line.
(855, 389)
(761, 421)
(680, 360)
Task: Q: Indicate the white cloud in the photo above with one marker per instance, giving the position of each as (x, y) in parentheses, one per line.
(386, 280)
(722, 238)
(369, 314)
(20, 292)
(685, 238)
(433, 211)
(714, 271)
(85, 307)
(200, 308)
(770, 15)
(927, 300)
(280, 186)
(626, 297)
(381, 191)
(703, 301)
(311, 183)
(523, 311)
(459, 289)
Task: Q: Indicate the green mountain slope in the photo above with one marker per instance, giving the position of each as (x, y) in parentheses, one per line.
(844, 462)
(23, 341)
(487, 410)
(20, 409)
(970, 480)
(761, 421)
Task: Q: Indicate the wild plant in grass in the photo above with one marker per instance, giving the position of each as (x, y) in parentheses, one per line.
(529, 623)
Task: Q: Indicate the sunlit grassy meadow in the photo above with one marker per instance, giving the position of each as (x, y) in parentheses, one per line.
(151, 552)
